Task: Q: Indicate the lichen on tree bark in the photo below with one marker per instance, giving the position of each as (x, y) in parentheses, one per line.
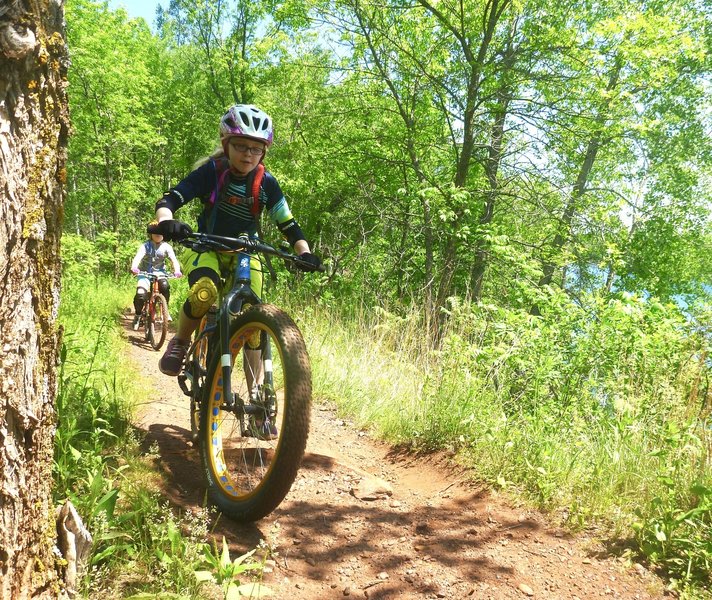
(34, 126)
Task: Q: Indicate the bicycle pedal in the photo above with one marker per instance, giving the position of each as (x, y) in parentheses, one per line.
(183, 383)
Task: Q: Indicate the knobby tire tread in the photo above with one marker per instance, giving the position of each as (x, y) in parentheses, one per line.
(295, 424)
(157, 338)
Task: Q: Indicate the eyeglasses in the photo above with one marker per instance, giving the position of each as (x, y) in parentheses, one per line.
(253, 150)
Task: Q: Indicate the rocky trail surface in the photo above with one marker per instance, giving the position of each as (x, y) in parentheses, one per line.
(365, 521)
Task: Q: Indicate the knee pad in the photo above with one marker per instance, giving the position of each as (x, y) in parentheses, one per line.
(163, 287)
(201, 297)
(254, 342)
(139, 299)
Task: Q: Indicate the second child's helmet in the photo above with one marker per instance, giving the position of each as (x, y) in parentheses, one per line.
(151, 227)
(246, 120)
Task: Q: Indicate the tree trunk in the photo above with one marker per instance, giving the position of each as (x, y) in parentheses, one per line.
(34, 127)
(492, 164)
(563, 234)
(476, 60)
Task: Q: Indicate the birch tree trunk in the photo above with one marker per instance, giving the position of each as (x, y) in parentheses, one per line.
(34, 127)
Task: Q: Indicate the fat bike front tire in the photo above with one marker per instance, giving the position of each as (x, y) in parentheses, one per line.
(251, 448)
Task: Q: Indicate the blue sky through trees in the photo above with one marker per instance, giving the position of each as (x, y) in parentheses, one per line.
(139, 8)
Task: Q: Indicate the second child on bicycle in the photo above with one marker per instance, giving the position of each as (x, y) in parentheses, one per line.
(234, 188)
(151, 257)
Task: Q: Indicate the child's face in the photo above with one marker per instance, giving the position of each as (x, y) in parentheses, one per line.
(244, 154)
(157, 238)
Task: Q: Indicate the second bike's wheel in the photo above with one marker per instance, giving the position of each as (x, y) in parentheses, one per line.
(158, 322)
(251, 451)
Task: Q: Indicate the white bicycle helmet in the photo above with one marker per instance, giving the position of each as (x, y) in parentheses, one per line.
(246, 120)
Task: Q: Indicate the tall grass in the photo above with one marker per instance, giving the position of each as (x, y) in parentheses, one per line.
(139, 544)
(589, 418)
(93, 399)
(592, 413)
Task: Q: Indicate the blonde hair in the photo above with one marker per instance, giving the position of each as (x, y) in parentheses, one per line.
(217, 153)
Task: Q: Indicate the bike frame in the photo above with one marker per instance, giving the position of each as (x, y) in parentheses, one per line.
(150, 304)
(153, 279)
(231, 305)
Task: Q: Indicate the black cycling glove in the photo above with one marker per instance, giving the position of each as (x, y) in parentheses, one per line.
(308, 262)
(172, 230)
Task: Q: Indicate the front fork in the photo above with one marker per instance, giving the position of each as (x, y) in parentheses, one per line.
(260, 361)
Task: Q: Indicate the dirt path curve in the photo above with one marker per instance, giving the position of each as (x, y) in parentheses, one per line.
(436, 536)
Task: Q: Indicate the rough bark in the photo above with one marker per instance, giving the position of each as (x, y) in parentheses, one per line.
(33, 137)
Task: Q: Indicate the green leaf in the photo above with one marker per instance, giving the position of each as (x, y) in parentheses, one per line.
(240, 559)
(254, 590)
(97, 558)
(107, 503)
(202, 576)
(701, 490)
(225, 556)
(76, 455)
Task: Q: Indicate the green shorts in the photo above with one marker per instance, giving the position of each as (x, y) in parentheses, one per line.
(224, 266)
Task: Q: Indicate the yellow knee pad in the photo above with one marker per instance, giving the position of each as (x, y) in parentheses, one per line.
(253, 342)
(201, 297)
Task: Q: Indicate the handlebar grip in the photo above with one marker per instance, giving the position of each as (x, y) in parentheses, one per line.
(311, 268)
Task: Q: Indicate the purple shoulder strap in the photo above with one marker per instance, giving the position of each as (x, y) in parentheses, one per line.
(221, 173)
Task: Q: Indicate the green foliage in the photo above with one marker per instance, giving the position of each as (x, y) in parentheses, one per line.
(226, 572)
(675, 532)
(544, 156)
(91, 405)
(106, 255)
(572, 133)
(114, 97)
(138, 544)
(588, 414)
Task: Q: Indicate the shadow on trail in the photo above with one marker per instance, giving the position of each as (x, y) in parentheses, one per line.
(429, 533)
(137, 337)
(184, 488)
(313, 536)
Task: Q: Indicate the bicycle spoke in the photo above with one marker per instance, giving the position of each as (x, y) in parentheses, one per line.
(250, 462)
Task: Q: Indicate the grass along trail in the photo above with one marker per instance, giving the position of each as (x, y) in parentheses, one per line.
(365, 521)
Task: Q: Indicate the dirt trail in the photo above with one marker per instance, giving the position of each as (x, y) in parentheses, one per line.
(436, 536)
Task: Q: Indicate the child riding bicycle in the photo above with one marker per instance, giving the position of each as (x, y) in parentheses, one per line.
(151, 258)
(234, 188)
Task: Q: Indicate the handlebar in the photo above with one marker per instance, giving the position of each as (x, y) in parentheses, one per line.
(154, 275)
(206, 242)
